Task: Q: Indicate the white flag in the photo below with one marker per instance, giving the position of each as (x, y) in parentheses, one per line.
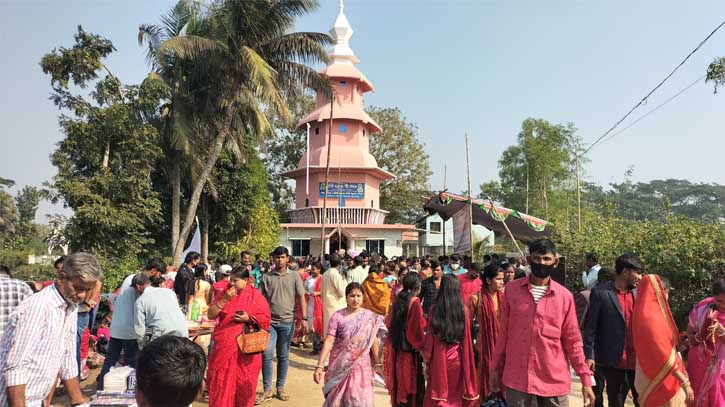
(195, 244)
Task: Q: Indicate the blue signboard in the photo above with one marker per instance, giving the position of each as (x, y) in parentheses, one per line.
(353, 190)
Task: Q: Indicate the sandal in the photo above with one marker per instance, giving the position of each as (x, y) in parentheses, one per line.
(263, 398)
(282, 395)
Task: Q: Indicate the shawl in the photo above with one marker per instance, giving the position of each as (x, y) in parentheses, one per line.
(487, 334)
(376, 295)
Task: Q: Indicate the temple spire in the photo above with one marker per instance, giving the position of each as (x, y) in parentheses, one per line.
(341, 32)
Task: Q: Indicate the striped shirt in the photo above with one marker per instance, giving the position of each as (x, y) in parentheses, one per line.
(12, 293)
(538, 291)
(38, 345)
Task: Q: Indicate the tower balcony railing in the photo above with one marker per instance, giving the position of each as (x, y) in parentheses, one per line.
(347, 216)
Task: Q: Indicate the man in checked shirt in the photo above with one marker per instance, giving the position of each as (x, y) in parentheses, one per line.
(39, 343)
(12, 293)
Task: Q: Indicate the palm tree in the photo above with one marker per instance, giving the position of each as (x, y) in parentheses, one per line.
(177, 115)
(245, 65)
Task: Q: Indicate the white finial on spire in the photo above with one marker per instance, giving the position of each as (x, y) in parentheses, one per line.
(341, 32)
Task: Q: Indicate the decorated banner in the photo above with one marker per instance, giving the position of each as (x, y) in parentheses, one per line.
(353, 190)
(462, 230)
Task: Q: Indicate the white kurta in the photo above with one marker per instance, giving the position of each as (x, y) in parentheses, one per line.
(333, 294)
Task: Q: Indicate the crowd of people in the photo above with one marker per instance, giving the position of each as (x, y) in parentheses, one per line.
(434, 332)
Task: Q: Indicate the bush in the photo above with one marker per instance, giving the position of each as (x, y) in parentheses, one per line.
(34, 272)
(690, 253)
(116, 269)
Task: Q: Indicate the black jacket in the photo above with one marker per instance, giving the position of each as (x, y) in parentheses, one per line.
(604, 328)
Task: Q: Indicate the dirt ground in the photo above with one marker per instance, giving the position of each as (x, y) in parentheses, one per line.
(302, 390)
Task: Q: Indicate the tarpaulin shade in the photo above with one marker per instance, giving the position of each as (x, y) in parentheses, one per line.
(523, 227)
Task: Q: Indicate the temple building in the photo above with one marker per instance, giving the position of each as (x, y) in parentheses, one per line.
(354, 219)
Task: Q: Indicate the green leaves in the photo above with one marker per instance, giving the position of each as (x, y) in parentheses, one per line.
(398, 150)
(716, 72)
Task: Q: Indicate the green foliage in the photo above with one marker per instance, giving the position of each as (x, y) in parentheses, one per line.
(688, 252)
(398, 150)
(34, 272)
(105, 160)
(704, 202)
(544, 156)
(284, 151)
(716, 73)
(115, 269)
(242, 218)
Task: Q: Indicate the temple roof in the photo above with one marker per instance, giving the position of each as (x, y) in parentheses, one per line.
(345, 111)
(348, 71)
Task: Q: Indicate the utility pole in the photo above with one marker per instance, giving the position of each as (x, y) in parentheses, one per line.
(327, 176)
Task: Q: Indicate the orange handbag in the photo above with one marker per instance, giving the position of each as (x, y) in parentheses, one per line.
(253, 339)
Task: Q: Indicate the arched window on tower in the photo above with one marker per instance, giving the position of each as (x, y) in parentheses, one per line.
(307, 202)
(317, 130)
(372, 203)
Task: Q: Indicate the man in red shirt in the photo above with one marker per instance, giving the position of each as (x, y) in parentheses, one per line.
(607, 330)
(471, 282)
(222, 284)
(538, 338)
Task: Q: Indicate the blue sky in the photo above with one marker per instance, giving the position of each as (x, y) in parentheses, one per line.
(452, 67)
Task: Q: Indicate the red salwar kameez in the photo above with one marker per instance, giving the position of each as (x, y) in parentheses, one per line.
(452, 381)
(402, 369)
(487, 315)
(232, 375)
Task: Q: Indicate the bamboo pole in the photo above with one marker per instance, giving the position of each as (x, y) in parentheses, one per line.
(443, 222)
(578, 198)
(470, 200)
(327, 175)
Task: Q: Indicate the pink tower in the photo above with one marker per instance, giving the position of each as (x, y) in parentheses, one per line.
(354, 218)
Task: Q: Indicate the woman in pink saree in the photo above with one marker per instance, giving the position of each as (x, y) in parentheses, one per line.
(353, 347)
(706, 359)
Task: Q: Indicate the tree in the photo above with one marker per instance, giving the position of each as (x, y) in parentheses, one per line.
(535, 174)
(284, 151)
(108, 188)
(27, 202)
(716, 73)
(178, 137)
(641, 201)
(242, 218)
(244, 66)
(398, 150)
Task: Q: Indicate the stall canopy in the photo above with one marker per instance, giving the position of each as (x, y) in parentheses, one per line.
(525, 228)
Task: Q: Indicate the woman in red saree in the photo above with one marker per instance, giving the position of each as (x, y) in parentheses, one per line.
(232, 375)
(660, 376)
(486, 310)
(448, 351)
(403, 367)
(706, 359)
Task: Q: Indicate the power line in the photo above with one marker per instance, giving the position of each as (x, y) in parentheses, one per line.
(644, 99)
(673, 97)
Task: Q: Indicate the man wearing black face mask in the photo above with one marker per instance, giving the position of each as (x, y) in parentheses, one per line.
(608, 336)
(539, 338)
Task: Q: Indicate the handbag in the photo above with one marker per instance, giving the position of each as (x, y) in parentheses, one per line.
(253, 339)
(494, 400)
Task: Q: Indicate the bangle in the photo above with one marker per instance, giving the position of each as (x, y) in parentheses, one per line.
(319, 367)
(378, 365)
